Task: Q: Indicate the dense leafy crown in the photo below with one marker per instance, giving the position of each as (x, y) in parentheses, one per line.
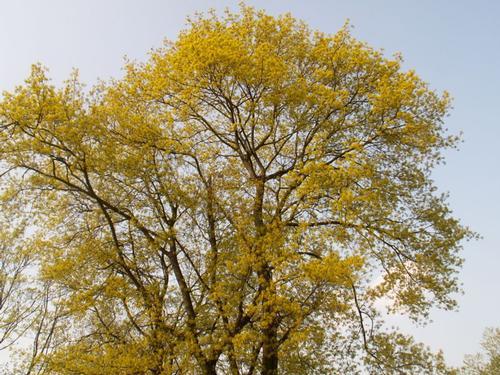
(243, 202)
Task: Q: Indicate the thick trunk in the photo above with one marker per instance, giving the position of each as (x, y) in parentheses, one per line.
(210, 367)
(270, 352)
(270, 340)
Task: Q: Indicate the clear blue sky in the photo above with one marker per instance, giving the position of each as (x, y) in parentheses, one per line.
(454, 45)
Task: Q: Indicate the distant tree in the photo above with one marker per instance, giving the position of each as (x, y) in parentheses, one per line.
(488, 362)
(28, 316)
(16, 299)
(237, 204)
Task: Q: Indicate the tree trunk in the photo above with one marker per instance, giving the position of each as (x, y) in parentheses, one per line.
(270, 343)
(270, 351)
(210, 367)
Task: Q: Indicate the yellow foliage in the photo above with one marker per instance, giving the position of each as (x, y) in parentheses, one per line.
(237, 203)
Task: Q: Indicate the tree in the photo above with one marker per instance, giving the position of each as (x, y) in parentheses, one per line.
(238, 204)
(25, 311)
(479, 365)
(16, 301)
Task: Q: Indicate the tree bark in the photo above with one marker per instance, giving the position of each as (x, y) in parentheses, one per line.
(270, 350)
(270, 341)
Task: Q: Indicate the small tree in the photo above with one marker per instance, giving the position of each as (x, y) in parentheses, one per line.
(16, 299)
(27, 317)
(487, 363)
(238, 204)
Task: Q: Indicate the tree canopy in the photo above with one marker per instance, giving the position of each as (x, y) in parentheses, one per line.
(249, 200)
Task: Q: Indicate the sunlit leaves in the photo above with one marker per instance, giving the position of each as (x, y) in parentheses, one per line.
(239, 203)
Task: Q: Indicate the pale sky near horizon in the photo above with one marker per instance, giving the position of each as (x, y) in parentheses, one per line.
(453, 45)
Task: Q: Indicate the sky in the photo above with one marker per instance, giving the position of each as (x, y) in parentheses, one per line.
(454, 45)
